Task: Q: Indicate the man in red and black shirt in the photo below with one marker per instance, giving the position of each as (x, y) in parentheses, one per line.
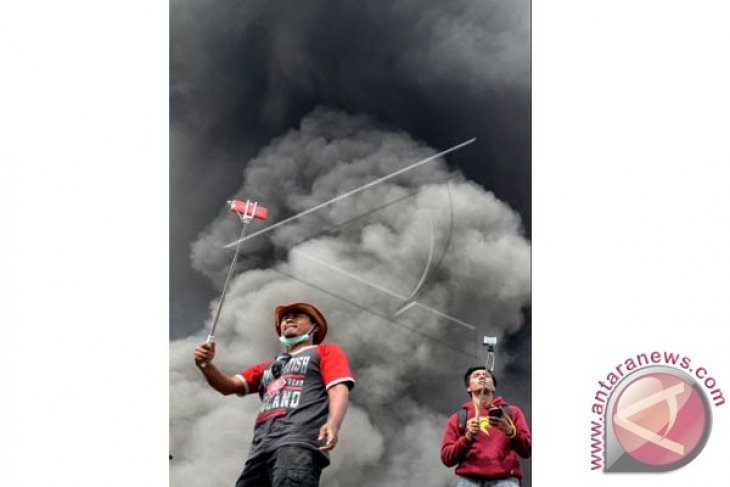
(485, 451)
(304, 396)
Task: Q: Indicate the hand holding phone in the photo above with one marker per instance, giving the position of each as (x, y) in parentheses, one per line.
(496, 412)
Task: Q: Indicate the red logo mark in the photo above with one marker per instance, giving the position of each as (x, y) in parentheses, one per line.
(659, 419)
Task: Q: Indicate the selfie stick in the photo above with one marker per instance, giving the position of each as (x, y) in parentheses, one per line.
(490, 343)
(246, 212)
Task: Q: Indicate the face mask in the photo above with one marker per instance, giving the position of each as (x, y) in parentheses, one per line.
(291, 341)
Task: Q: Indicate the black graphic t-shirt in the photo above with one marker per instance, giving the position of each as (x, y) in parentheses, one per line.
(294, 406)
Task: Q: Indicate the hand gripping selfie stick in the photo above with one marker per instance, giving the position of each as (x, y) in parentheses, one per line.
(246, 211)
(490, 343)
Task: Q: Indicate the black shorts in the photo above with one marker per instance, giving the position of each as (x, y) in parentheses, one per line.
(287, 466)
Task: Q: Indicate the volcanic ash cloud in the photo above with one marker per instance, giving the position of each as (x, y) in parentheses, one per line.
(408, 369)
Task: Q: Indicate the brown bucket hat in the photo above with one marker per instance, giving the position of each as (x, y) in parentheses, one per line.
(309, 309)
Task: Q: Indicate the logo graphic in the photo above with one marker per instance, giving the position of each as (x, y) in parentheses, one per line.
(658, 419)
(275, 387)
(484, 425)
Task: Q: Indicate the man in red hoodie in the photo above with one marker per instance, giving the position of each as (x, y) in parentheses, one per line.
(485, 452)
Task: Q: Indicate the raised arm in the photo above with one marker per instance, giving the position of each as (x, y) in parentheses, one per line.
(218, 380)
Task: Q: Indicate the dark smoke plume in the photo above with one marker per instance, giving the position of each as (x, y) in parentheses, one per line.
(400, 80)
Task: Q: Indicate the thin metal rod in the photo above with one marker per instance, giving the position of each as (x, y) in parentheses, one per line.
(222, 298)
(350, 193)
(490, 368)
(490, 360)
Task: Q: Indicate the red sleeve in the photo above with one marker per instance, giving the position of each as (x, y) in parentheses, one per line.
(522, 442)
(333, 366)
(455, 445)
(252, 376)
